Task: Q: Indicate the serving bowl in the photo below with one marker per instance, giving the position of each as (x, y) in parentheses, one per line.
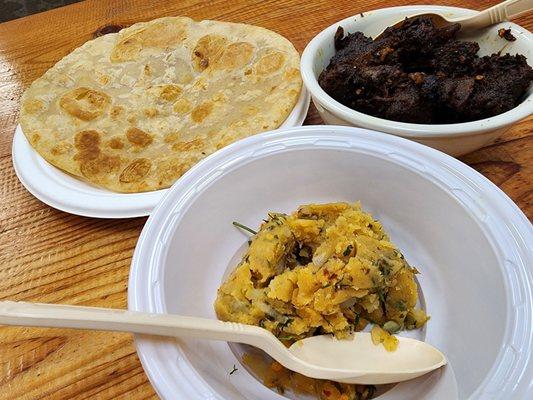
(465, 236)
(454, 139)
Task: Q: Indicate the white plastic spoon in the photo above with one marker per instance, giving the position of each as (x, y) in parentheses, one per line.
(500, 12)
(355, 360)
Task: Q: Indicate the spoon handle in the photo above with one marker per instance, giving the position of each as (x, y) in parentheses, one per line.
(515, 8)
(500, 12)
(106, 319)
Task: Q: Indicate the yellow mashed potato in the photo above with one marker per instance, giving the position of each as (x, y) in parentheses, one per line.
(326, 268)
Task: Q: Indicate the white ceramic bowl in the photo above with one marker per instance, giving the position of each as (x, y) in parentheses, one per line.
(454, 139)
(468, 239)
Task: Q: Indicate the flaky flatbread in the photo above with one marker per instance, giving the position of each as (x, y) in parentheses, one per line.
(133, 111)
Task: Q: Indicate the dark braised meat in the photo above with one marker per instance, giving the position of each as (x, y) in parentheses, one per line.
(420, 73)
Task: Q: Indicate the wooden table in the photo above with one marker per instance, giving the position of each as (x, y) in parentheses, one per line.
(50, 256)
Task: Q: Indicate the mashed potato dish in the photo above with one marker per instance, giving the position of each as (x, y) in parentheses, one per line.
(324, 269)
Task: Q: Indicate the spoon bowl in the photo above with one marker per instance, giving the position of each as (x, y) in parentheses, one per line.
(411, 359)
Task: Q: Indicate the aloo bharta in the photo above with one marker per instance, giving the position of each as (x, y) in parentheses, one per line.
(325, 269)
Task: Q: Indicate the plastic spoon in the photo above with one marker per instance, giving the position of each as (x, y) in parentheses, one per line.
(356, 360)
(500, 12)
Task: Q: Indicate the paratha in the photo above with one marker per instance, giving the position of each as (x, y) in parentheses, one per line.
(133, 111)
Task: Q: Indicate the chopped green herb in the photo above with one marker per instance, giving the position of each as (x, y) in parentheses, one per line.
(287, 322)
(384, 266)
(401, 305)
(235, 369)
(391, 326)
(382, 296)
(276, 218)
(244, 227)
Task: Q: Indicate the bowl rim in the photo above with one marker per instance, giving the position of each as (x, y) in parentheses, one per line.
(509, 225)
(406, 129)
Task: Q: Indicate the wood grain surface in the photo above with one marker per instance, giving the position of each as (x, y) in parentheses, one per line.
(50, 256)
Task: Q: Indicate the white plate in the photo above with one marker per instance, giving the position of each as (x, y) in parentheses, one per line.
(67, 193)
(471, 243)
